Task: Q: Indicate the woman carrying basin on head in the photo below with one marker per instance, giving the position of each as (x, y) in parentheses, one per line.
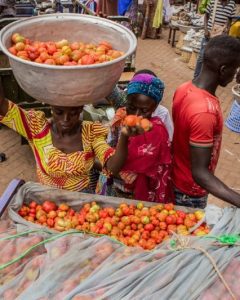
(65, 147)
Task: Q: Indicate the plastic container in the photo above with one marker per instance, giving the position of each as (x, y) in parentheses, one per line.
(69, 85)
(233, 120)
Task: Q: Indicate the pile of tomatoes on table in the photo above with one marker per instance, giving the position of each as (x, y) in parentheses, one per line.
(132, 225)
(62, 52)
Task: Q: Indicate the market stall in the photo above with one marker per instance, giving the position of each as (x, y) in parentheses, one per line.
(37, 262)
(190, 25)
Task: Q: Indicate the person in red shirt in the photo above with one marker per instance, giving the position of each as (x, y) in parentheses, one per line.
(198, 124)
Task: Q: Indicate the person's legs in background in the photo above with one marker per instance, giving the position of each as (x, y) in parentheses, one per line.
(200, 58)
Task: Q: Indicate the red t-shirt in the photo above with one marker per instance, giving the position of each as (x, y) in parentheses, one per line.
(198, 122)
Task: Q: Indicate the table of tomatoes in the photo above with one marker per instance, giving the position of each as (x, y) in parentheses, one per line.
(66, 245)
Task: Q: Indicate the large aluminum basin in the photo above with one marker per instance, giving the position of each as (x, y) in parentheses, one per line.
(68, 85)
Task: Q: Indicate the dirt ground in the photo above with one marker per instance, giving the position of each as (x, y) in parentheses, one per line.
(160, 57)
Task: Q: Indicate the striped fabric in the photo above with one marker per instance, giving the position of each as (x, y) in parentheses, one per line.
(223, 13)
(55, 168)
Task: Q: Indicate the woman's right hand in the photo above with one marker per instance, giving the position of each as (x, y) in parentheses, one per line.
(128, 131)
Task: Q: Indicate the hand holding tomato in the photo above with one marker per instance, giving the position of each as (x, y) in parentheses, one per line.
(135, 125)
(130, 131)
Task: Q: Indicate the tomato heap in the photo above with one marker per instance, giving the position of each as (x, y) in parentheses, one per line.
(62, 52)
(130, 224)
(133, 120)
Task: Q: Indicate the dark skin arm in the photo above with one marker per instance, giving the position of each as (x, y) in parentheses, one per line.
(238, 77)
(228, 25)
(3, 101)
(117, 161)
(200, 160)
(206, 31)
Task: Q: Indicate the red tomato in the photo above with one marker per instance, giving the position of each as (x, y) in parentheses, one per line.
(145, 235)
(179, 221)
(13, 50)
(126, 211)
(22, 213)
(87, 60)
(50, 222)
(48, 206)
(33, 204)
(103, 214)
(155, 222)
(181, 214)
(169, 220)
(134, 226)
(32, 210)
(149, 227)
(51, 48)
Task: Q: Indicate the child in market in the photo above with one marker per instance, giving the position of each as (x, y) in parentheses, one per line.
(146, 174)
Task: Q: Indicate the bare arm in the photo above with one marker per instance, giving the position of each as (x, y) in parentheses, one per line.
(200, 160)
(206, 31)
(3, 101)
(229, 23)
(117, 161)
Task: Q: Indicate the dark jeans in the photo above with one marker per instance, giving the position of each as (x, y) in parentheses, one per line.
(189, 201)
(198, 67)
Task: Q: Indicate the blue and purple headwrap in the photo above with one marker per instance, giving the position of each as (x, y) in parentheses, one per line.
(147, 85)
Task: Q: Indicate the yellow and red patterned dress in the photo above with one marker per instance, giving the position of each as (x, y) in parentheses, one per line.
(55, 168)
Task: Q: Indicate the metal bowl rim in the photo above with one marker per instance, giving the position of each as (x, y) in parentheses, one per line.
(131, 49)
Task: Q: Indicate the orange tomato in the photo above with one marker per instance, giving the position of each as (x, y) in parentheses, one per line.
(161, 216)
(44, 56)
(162, 225)
(169, 206)
(145, 124)
(50, 61)
(106, 45)
(131, 120)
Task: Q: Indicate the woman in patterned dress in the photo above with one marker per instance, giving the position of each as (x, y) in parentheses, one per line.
(65, 147)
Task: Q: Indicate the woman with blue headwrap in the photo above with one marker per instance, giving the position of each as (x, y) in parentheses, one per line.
(146, 174)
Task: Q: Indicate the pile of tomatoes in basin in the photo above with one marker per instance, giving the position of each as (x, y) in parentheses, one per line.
(132, 225)
(63, 52)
